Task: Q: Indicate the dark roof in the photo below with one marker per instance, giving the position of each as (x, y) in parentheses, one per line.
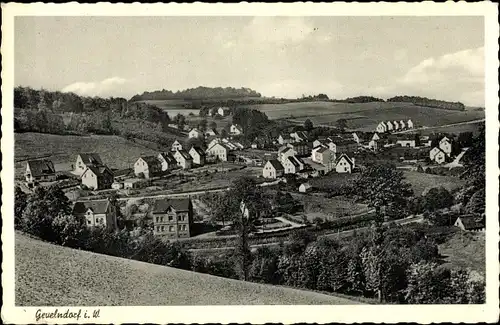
(151, 160)
(168, 157)
(198, 151)
(98, 170)
(322, 149)
(294, 161)
(100, 206)
(177, 204)
(472, 222)
(406, 137)
(276, 164)
(91, 158)
(41, 167)
(349, 160)
(185, 154)
(345, 142)
(284, 149)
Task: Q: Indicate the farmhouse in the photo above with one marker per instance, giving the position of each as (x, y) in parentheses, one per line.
(198, 156)
(292, 165)
(406, 140)
(173, 218)
(40, 171)
(409, 124)
(273, 169)
(183, 159)
(176, 146)
(99, 213)
(445, 145)
(97, 178)
(147, 166)
(381, 127)
(236, 129)
(344, 164)
(224, 111)
(85, 160)
(305, 187)
(219, 150)
(167, 160)
(284, 139)
(470, 223)
(438, 155)
(195, 134)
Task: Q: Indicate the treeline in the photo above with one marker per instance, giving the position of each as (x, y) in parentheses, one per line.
(424, 101)
(362, 99)
(197, 93)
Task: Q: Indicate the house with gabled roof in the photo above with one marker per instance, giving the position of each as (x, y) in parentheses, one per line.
(344, 164)
(211, 132)
(406, 140)
(176, 146)
(235, 129)
(97, 177)
(195, 133)
(284, 152)
(167, 161)
(299, 136)
(84, 160)
(198, 155)
(96, 213)
(220, 151)
(224, 111)
(389, 125)
(148, 166)
(172, 218)
(183, 159)
(402, 124)
(40, 171)
(445, 145)
(273, 169)
(292, 165)
(381, 127)
(284, 139)
(470, 223)
(437, 155)
(323, 156)
(409, 124)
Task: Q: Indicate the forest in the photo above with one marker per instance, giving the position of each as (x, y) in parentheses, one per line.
(197, 93)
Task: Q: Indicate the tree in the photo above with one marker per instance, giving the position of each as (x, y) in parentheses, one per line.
(213, 111)
(437, 198)
(341, 124)
(224, 133)
(213, 125)
(19, 206)
(384, 186)
(308, 125)
(180, 121)
(203, 125)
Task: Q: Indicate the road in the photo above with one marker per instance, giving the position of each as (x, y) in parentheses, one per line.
(330, 235)
(440, 126)
(159, 196)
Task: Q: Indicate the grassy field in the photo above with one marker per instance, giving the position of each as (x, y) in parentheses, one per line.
(471, 127)
(115, 151)
(421, 181)
(465, 250)
(366, 116)
(49, 275)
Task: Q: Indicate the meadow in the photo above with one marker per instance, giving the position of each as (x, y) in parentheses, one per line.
(421, 182)
(50, 275)
(115, 151)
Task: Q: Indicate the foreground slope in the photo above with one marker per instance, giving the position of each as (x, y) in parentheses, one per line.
(47, 275)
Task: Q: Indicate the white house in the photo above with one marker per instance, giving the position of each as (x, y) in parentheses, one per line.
(149, 166)
(176, 146)
(198, 156)
(284, 139)
(272, 169)
(99, 213)
(390, 127)
(323, 156)
(183, 159)
(85, 160)
(375, 136)
(299, 136)
(437, 155)
(355, 137)
(305, 187)
(445, 145)
(292, 165)
(224, 111)
(219, 150)
(284, 152)
(40, 170)
(195, 133)
(381, 127)
(236, 129)
(167, 161)
(405, 140)
(396, 125)
(97, 178)
(344, 164)
(409, 124)
(402, 124)
(319, 143)
(470, 223)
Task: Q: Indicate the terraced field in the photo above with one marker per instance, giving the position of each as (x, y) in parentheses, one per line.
(50, 275)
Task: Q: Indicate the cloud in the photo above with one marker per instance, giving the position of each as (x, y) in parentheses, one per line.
(457, 76)
(106, 87)
(279, 29)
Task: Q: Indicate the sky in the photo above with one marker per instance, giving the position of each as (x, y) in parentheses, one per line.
(437, 57)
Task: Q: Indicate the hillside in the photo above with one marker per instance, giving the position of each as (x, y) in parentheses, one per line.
(365, 116)
(115, 151)
(48, 275)
(465, 250)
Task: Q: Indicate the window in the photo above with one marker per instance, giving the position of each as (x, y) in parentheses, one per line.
(179, 227)
(89, 222)
(162, 218)
(158, 228)
(171, 228)
(162, 228)
(184, 227)
(157, 219)
(170, 218)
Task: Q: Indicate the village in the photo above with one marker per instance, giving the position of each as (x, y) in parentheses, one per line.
(296, 158)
